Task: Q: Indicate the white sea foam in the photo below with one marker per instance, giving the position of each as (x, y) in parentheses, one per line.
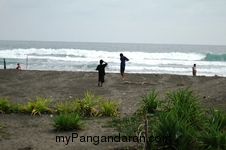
(77, 59)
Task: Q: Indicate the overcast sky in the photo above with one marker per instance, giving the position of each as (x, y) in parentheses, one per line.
(124, 21)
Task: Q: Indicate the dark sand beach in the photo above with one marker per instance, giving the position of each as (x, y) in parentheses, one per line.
(23, 131)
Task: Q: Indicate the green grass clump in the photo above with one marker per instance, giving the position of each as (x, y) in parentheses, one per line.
(184, 104)
(217, 117)
(127, 126)
(150, 102)
(181, 120)
(179, 131)
(89, 104)
(214, 134)
(4, 105)
(38, 106)
(16, 108)
(109, 108)
(68, 107)
(67, 122)
(213, 138)
(1, 126)
(7, 107)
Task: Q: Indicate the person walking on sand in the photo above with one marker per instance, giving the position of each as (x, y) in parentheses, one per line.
(194, 71)
(123, 64)
(101, 72)
(18, 66)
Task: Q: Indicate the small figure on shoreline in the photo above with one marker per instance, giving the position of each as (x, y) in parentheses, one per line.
(123, 64)
(18, 66)
(101, 72)
(4, 64)
(194, 71)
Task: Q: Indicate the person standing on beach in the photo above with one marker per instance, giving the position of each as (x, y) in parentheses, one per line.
(123, 64)
(194, 71)
(101, 72)
(4, 64)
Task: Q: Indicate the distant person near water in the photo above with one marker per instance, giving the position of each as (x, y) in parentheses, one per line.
(4, 64)
(101, 72)
(123, 64)
(194, 71)
(18, 66)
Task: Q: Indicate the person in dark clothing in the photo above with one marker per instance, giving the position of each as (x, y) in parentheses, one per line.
(101, 72)
(4, 64)
(194, 71)
(123, 64)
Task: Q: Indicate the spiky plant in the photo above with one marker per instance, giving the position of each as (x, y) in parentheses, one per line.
(126, 125)
(89, 104)
(150, 102)
(16, 108)
(4, 105)
(182, 118)
(213, 138)
(185, 105)
(109, 108)
(218, 116)
(38, 106)
(180, 134)
(1, 126)
(214, 135)
(68, 107)
(77, 106)
(67, 122)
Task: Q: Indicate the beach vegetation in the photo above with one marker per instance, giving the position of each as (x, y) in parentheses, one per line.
(150, 102)
(89, 104)
(4, 105)
(109, 108)
(1, 126)
(218, 117)
(214, 134)
(181, 133)
(127, 125)
(67, 122)
(213, 138)
(8, 107)
(184, 104)
(38, 106)
(182, 119)
(68, 107)
(16, 108)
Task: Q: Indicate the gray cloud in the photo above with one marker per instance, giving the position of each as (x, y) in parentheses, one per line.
(146, 21)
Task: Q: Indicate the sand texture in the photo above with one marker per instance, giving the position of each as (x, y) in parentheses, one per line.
(23, 131)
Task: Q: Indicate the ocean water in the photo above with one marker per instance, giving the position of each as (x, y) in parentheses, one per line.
(144, 58)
